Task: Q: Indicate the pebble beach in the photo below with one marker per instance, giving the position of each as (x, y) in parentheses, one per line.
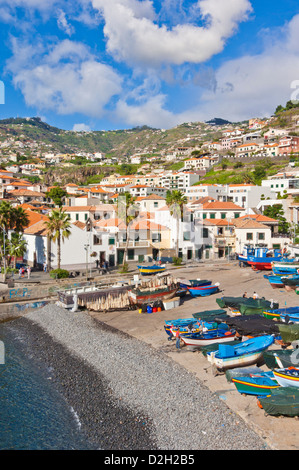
(126, 394)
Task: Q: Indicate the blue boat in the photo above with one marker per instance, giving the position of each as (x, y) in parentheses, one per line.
(194, 283)
(243, 354)
(260, 384)
(203, 291)
(248, 250)
(149, 270)
(290, 315)
(275, 281)
(263, 258)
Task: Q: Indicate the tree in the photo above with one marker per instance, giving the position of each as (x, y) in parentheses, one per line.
(57, 195)
(58, 227)
(276, 212)
(11, 218)
(17, 246)
(176, 200)
(127, 212)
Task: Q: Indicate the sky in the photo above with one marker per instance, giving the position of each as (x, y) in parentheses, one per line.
(116, 64)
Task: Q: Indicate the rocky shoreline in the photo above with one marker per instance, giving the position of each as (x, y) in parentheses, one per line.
(127, 395)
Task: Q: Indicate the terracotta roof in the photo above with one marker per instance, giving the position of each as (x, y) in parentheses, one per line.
(218, 222)
(113, 222)
(144, 224)
(218, 205)
(39, 228)
(34, 217)
(248, 224)
(152, 197)
(259, 218)
(79, 224)
(26, 192)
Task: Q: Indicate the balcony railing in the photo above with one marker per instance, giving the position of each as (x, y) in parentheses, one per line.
(134, 244)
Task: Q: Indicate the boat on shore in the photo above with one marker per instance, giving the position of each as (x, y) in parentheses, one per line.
(243, 354)
(275, 281)
(290, 282)
(283, 401)
(203, 291)
(151, 270)
(185, 283)
(262, 383)
(287, 377)
(138, 297)
(282, 358)
(197, 340)
(263, 258)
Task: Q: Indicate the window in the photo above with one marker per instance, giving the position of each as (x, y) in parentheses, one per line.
(237, 215)
(111, 241)
(77, 216)
(155, 204)
(186, 236)
(261, 236)
(204, 216)
(205, 233)
(130, 255)
(249, 236)
(86, 216)
(156, 237)
(223, 215)
(212, 215)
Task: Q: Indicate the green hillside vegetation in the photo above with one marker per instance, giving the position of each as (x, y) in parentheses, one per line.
(228, 172)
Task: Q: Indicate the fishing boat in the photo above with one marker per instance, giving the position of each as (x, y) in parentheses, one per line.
(275, 281)
(283, 401)
(243, 354)
(263, 258)
(210, 315)
(287, 377)
(184, 283)
(259, 384)
(290, 282)
(236, 302)
(138, 297)
(248, 250)
(203, 291)
(290, 315)
(149, 270)
(196, 340)
(282, 358)
(285, 268)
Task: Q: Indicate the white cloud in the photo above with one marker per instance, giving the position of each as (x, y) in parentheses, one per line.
(63, 23)
(134, 36)
(81, 128)
(255, 84)
(65, 78)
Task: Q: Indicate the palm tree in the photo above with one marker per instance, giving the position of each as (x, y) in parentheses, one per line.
(17, 246)
(127, 212)
(11, 218)
(176, 200)
(58, 227)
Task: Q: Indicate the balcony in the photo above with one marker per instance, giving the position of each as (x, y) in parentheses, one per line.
(222, 241)
(134, 244)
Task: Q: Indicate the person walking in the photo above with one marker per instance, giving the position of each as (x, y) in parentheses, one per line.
(178, 340)
(28, 272)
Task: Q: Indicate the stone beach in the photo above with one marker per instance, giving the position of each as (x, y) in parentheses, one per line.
(132, 390)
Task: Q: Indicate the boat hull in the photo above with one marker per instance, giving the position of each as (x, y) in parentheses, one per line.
(206, 340)
(255, 385)
(287, 377)
(142, 298)
(203, 291)
(150, 270)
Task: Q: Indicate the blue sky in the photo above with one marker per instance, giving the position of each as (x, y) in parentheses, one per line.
(114, 64)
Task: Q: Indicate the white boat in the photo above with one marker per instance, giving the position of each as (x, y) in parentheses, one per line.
(196, 341)
(243, 354)
(288, 377)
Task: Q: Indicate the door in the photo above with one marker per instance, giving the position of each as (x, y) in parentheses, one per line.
(120, 256)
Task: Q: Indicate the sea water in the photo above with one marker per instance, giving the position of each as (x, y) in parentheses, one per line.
(33, 414)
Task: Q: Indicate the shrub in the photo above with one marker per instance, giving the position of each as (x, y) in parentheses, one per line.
(177, 261)
(124, 268)
(59, 273)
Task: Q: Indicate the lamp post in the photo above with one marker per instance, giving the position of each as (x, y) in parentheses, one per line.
(86, 249)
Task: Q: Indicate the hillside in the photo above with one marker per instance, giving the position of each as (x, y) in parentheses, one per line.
(115, 142)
